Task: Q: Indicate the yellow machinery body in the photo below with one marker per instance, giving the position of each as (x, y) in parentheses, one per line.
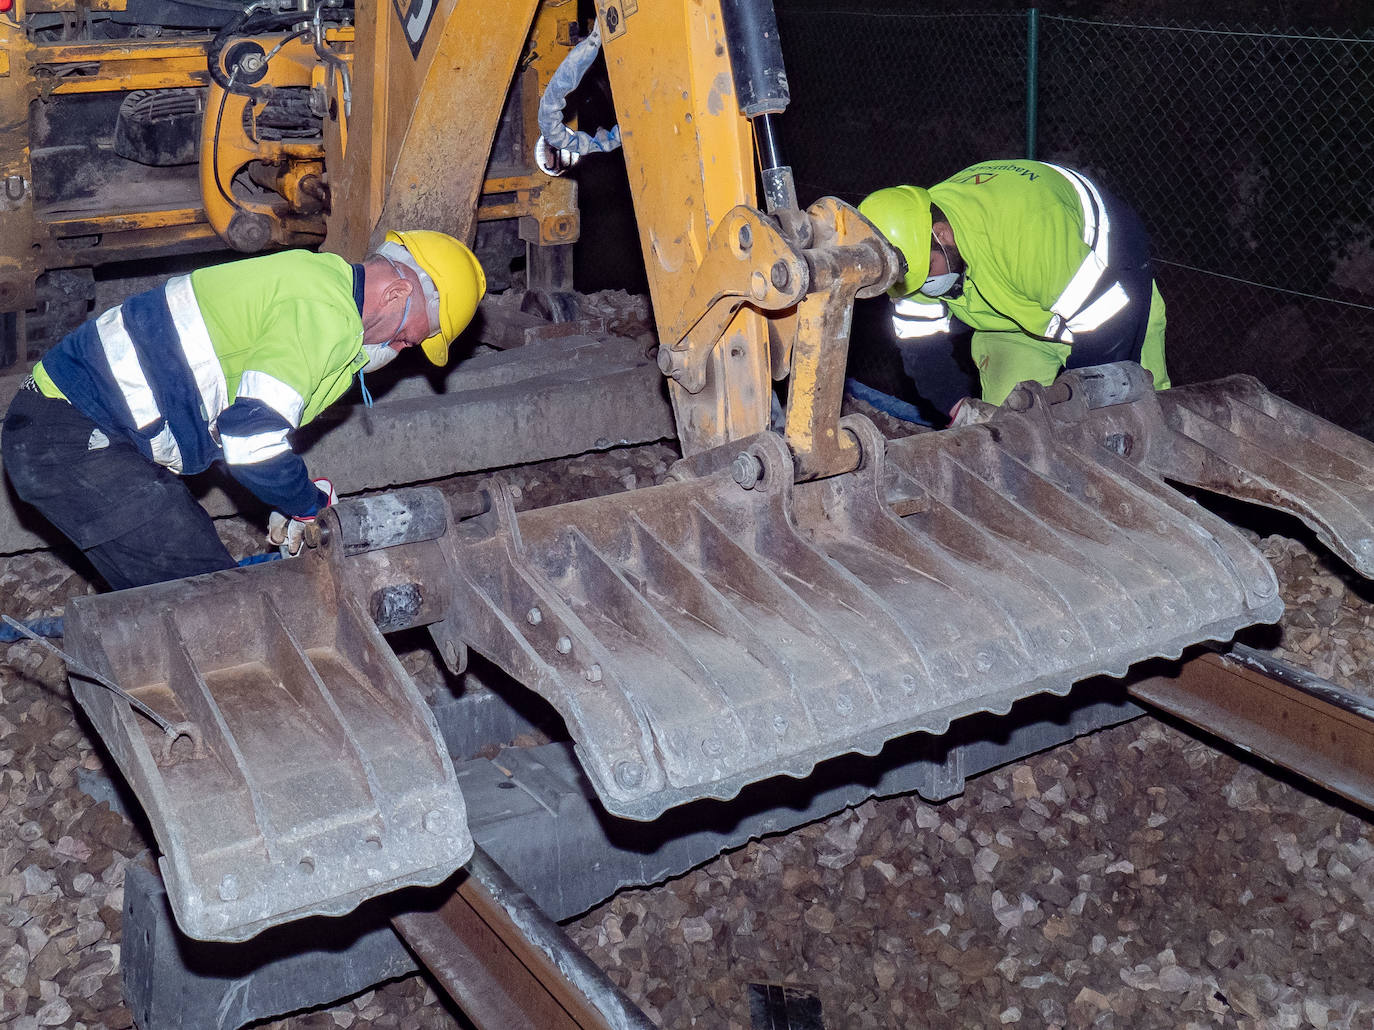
(69, 199)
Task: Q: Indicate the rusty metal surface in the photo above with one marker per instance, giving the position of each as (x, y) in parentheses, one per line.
(724, 628)
(699, 635)
(1233, 437)
(847, 258)
(17, 221)
(507, 964)
(312, 775)
(1255, 446)
(1277, 711)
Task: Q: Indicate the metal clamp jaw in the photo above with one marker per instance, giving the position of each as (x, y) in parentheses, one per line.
(848, 258)
(804, 270)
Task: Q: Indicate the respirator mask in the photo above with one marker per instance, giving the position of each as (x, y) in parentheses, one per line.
(945, 285)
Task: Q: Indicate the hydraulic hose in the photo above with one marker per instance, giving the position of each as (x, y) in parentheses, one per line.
(263, 21)
(557, 134)
(47, 626)
(885, 403)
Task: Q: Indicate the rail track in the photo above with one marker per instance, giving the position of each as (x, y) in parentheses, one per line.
(1271, 708)
(506, 964)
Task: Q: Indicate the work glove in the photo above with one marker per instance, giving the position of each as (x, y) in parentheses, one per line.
(970, 411)
(288, 534)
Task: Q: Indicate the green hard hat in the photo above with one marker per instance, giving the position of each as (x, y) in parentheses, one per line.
(902, 214)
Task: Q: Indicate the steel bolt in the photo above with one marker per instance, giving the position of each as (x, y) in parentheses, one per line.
(1018, 400)
(746, 470)
(14, 187)
(758, 285)
(1119, 443)
(229, 888)
(844, 704)
(593, 674)
(779, 725)
(1261, 581)
(746, 236)
(435, 821)
(534, 616)
(564, 645)
(712, 747)
(780, 274)
(668, 363)
(629, 774)
(982, 661)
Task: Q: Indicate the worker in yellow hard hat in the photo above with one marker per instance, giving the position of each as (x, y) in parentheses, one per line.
(1046, 268)
(451, 283)
(220, 365)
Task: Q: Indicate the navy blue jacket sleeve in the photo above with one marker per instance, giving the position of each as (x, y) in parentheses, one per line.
(254, 439)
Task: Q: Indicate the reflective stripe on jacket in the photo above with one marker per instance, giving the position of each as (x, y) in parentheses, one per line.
(1035, 239)
(222, 364)
(914, 319)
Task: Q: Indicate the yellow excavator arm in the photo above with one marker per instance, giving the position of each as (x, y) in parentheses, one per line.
(743, 296)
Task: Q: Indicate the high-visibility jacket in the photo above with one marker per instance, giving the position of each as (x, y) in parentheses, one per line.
(1034, 237)
(221, 364)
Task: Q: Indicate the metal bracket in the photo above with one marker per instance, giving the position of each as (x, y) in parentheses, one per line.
(732, 274)
(849, 259)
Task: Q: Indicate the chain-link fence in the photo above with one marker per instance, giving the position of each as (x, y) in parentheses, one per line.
(1246, 152)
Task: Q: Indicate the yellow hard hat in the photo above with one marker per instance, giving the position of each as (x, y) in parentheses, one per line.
(456, 277)
(902, 214)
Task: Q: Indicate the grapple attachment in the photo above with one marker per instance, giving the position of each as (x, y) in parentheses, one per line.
(728, 626)
(699, 636)
(308, 774)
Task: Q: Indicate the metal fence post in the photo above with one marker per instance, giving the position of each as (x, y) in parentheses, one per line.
(1032, 76)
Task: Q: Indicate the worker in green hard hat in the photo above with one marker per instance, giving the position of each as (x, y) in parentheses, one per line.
(1046, 268)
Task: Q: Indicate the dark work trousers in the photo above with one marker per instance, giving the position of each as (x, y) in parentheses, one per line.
(942, 368)
(134, 519)
(931, 372)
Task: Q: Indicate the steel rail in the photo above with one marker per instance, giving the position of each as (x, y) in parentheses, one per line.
(507, 964)
(1276, 710)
